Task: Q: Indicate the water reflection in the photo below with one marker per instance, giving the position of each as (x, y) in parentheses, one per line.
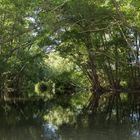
(28, 124)
(96, 132)
(29, 131)
(20, 132)
(50, 132)
(102, 132)
(25, 123)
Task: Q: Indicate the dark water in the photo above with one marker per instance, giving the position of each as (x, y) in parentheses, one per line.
(104, 132)
(15, 126)
(32, 130)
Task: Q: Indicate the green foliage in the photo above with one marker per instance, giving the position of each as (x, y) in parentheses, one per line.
(123, 83)
(41, 87)
(44, 89)
(66, 75)
(59, 116)
(124, 97)
(75, 46)
(79, 100)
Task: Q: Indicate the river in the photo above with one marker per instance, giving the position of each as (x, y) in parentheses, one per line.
(13, 127)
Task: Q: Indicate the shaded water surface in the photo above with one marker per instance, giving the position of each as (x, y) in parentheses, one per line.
(103, 132)
(15, 126)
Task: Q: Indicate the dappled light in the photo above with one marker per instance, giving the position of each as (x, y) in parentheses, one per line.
(69, 69)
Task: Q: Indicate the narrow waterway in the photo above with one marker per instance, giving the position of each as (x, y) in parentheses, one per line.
(15, 126)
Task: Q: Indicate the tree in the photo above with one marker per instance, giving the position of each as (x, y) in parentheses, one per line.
(98, 39)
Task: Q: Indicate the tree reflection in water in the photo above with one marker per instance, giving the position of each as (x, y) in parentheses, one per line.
(26, 122)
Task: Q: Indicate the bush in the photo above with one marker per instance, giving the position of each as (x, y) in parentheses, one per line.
(44, 89)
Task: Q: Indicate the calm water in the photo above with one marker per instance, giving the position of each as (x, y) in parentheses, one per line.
(103, 132)
(15, 126)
